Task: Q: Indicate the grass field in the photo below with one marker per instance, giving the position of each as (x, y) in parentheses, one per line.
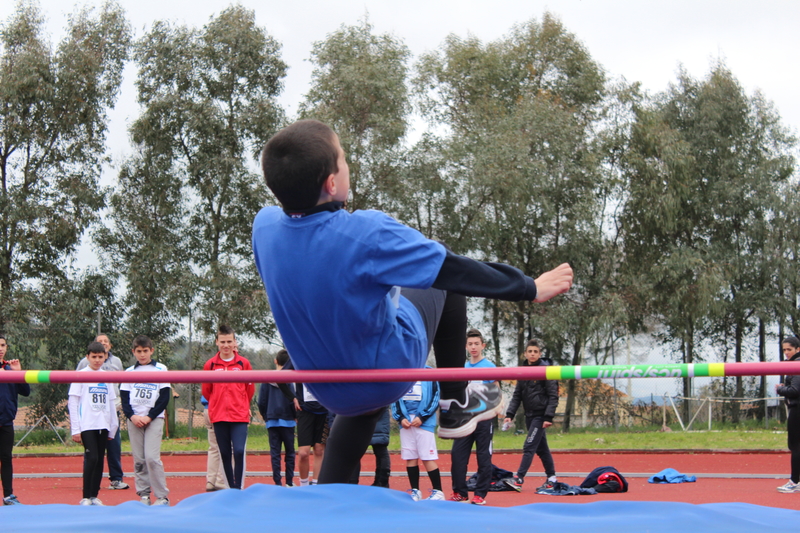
(745, 438)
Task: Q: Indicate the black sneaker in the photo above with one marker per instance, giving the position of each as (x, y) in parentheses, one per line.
(484, 401)
(514, 482)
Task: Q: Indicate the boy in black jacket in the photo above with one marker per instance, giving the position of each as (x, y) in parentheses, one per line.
(8, 412)
(539, 399)
(279, 414)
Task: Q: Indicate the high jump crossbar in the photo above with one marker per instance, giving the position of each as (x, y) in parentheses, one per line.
(410, 374)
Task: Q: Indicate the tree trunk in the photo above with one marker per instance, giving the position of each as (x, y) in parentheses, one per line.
(737, 353)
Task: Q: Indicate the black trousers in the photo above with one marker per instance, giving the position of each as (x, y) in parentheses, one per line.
(94, 451)
(793, 430)
(282, 436)
(6, 469)
(459, 459)
(445, 318)
(536, 442)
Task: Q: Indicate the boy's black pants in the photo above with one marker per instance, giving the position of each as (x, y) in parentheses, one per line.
(94, 451)
(6, 469)
(445, 318)
(459, 457)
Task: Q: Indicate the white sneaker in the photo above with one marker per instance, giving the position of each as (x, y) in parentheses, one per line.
(436, 495)
(162, 501)
(145, 499)
(118, 485)
(96, 501)
(85, 501)
(789, 487)
(415, 494)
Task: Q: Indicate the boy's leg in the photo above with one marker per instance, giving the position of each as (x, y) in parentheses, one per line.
(153, 434)
(114, 458)
(459, 458)
(349, 439)
(94, 448)
(288, 447)
(383, 465)
(531, 445)
(141, 478)
(215, 475)
(6, 468)
(223, 432)
(547, 458)
(239, 443)
(445, 317)
(483, 452)
(275, 453)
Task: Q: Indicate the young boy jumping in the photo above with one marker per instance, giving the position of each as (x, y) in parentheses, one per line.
(362, 291)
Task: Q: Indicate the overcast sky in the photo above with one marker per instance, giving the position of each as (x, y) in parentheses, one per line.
(639, 40)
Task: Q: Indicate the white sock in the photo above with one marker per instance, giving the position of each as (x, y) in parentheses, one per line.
(304, 482)
(552, 479)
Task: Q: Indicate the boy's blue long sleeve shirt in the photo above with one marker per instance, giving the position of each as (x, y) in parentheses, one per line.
(329, 278)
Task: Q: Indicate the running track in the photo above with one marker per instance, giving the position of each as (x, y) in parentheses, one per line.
(724, 476)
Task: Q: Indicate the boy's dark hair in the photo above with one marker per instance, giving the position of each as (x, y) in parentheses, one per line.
(95, 347)
(297, 160)
(282, 357)
(792, 341)
(475, 333)
(142, 341)
(225, 330)
(535, 342)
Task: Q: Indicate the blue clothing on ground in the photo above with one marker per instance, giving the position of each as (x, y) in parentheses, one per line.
(329, 279)
(670, 475)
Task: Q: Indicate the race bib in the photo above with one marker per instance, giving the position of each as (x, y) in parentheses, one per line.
(144, 394)
(414, 394)
(98, 397)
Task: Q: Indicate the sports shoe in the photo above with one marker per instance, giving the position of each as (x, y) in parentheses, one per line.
(162, 501)
(415, 494)
(118, 485)
(96, 501)
(85, 501)
(477, 500)
(436, 495)
(458, 419)
(145, 499)
(11, 500)
(456, 497)
(514, 482)
(790, 486)
(547, 485)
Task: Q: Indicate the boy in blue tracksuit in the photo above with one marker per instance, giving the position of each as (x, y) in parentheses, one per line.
(8, 412)
(362, 291)
(415, 412)
(279, 414)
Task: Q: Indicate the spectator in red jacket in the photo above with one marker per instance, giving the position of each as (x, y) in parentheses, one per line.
(229, 406)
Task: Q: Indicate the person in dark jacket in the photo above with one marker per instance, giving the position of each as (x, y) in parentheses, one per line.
(790, 390)
(539, 399)
(8, 412)
(280, 416)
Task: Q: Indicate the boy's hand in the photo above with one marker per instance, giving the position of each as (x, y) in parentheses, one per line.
(14, 364)
(297, 404)
(405, 423)
(417, 422)
(140, 421)
(553, 282)
(77, 438)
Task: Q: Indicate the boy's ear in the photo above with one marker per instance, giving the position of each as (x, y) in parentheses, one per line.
(329, 186)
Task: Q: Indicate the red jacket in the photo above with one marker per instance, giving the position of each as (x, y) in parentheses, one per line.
(228, 402)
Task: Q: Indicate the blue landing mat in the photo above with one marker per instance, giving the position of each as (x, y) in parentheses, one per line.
(356, 509)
